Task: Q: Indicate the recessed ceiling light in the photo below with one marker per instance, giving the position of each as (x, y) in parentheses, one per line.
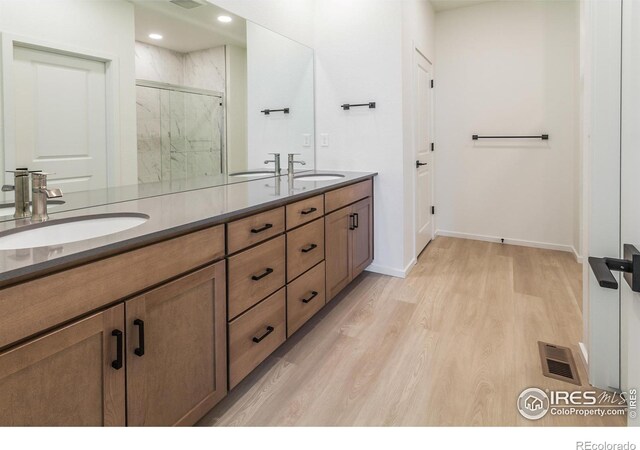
(225, 19)
(155, 36)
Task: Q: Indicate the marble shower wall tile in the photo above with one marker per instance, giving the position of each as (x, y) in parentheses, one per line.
(159, 64)
(205, 69)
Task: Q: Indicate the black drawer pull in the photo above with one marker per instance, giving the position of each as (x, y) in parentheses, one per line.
(140, 324)
(267, 271)
(117, 364)
(313, 295)
(309, 248)
(260, 230)
(267, 333)
(352, 222)
(308, 211)
(356, 220)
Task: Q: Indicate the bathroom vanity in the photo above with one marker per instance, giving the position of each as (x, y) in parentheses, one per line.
(152, 326)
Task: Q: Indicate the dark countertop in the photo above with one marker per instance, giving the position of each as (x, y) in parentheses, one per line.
(170, 215)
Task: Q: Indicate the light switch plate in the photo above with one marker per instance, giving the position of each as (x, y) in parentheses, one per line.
(306, 140)
(324, 139)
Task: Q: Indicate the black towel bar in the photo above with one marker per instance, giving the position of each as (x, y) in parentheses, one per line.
(348, 106)
(544, 137)
(266, 112)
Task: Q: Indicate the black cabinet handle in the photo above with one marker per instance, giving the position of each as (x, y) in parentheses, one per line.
(264, 228)
(352, 222)
(356, 220)
(267, 333)
(418, 164)
(267, 271)
(308, 211)
(117, 364)
(309, 248)
(313, 295)
(140, 324)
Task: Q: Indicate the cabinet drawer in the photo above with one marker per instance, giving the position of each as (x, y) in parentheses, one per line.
(254, 274)
(305, 248)
(345, 196)
(304, 211)
(305, 297)
(246, 232)
(255, 335)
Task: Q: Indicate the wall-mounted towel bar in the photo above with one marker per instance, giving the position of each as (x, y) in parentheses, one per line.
(266, 112)
(348, 106)
(544, 137)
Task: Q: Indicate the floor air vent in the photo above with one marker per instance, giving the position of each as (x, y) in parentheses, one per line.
(557, 362)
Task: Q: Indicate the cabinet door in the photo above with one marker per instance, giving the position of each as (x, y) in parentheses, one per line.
(338, 250)
(362, 236)
(66, 377)
(176, 350)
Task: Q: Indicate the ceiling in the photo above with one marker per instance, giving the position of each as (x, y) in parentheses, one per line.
(186, 30)
(443, 5)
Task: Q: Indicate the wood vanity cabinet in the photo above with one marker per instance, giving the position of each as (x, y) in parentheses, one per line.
(349, 244)
(177, 350)
(67, 377)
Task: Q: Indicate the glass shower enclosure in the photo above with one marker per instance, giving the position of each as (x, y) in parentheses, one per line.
(180, 132)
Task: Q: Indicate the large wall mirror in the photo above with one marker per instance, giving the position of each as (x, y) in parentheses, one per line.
(121, 99)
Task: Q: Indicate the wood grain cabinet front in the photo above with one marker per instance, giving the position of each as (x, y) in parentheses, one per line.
(255, 335)
(304, 211)
(256, 273)
(251, 230)
(349, 236)
(305, 248)
(305, 297)
(74, 376)
(177, 350)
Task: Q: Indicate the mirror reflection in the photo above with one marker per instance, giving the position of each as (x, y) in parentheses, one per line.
(119, 99)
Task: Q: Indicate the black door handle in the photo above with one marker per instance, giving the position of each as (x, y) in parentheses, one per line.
(418, 164)
(261, 229)
(356, 220)
(308, 211)
(267, 271)
(309, 248)
(117, 364)
(313, 295)
(630, 266)
(140, 324)
(352, 222)
(267, 333)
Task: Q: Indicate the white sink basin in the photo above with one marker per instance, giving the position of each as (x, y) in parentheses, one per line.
(64, 231)
(318, 177)
(255, 173)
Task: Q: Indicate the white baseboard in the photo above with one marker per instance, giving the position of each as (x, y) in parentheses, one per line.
(392, 272)
(584, 354)
(523, 243)
(578, 257)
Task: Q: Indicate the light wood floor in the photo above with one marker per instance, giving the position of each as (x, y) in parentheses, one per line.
(453, 344)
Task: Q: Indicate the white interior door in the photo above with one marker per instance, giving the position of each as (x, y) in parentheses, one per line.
(424, 159)
(60, 118)
(630, 200)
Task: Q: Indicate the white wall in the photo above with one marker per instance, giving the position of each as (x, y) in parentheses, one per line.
(508, 68)
(102, 26)
(279, 75)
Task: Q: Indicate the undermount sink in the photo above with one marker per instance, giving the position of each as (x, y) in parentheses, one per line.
(319, 177)
(63, 231)
(252, 173)
(9, 209)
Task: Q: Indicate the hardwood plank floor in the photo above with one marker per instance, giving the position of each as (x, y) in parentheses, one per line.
(452, 344)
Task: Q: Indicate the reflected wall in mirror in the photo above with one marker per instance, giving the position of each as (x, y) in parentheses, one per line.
(121, 99)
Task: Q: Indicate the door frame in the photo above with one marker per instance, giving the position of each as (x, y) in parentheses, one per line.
(112, 89)
(414, 128)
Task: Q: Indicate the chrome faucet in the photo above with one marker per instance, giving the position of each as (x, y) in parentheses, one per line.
(21, 188)
(292, 162)
(41, 193)
(276, 163)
